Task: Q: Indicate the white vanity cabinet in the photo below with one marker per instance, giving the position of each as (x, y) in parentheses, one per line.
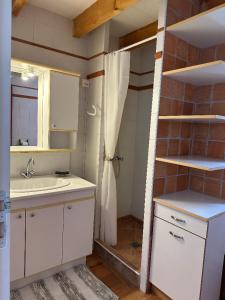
(44, 229)
(64, 101)
(78, 229)
(188, 246)
(17, 244)
(51, 231)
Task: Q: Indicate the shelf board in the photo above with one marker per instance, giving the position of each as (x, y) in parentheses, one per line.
(197, 205)
(62, 130)
(196, 162)
(194, 118)
(203, 30)
(203, 74)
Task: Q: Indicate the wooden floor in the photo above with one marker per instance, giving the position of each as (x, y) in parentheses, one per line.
(129, 240)
(114, 281)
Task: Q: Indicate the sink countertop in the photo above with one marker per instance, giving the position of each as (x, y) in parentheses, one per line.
(76, 184)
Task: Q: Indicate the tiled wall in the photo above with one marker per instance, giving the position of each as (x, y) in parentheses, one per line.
(178, 98)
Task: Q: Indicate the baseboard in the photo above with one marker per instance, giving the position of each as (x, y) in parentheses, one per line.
(45, 274)
(159, 293)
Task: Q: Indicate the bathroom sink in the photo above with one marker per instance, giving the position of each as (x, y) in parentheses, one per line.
(35, 184)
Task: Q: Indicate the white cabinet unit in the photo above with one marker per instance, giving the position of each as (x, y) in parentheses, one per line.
(187, 251)
(44, 230)
(177, 261)
(17, 244)
(64, 101)
(78, 229)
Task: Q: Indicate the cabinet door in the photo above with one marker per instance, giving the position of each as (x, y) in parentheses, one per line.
(17, 245)
(64, 100)
(177, 261)
(78, 229)
(44, 228)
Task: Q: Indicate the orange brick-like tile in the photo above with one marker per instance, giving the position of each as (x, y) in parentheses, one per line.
(199, 148)
(196, 183)
(182, 182)
(216, 149)
(212, 187)
(186, 130)
(208, 55)
(219, 92)
(161, 148)
(202, 109)
(185, 146)
(171, 184)
(203, 94)
(218, 108)
(220, 54)
(188, 108)
(170, 44)
(201, 131)
(159, 184)
(174, 129)
(163, 129)
(217, 132)
(173, 148)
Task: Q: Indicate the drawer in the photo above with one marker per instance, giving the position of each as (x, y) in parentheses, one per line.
(182, 220)
(176, 261)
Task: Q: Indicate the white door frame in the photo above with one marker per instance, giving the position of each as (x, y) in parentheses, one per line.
(5, 57)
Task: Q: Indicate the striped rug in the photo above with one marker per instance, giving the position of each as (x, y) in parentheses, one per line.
(75, 284)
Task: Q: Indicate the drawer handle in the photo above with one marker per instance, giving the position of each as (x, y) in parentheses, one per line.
(69, 207)
(176, 236)
(32, 215)
(19, 217)
(178, 220)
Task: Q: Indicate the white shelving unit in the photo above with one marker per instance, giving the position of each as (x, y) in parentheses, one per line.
(194, 118)
(196, 162)
(203, 30)
(203, 74)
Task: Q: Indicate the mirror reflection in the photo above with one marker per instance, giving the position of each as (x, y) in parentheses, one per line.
(24, 108)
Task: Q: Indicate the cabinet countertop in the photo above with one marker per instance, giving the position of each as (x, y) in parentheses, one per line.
(76, 184)
(197, 205)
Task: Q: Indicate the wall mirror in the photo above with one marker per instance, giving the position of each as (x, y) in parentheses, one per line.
(27, 92)
(44, 108)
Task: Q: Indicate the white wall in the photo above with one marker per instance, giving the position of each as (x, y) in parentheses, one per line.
(97, 43)
(134, 135)
(40, 26)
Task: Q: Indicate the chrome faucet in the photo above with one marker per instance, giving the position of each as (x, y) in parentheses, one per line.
(29, 169)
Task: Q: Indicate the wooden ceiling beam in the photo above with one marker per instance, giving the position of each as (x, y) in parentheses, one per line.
(138, 35)
(97, 14)
(17, 6)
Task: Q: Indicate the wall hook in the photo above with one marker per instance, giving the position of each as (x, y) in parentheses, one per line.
(94, 111)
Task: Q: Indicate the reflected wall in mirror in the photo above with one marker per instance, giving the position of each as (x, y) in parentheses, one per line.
(24, 109)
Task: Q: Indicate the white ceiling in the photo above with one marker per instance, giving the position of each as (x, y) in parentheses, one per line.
(67, 8)
(135, 17)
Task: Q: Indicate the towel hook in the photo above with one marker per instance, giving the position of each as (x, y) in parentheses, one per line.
(94, 111)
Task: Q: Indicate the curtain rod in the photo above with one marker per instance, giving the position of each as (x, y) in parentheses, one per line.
(130, 47)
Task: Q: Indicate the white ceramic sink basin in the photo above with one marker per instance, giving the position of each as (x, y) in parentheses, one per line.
(35, 184)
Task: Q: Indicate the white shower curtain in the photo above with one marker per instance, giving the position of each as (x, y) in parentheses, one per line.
(117, 72)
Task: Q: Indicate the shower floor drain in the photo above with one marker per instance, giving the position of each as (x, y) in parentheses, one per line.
(135, 245)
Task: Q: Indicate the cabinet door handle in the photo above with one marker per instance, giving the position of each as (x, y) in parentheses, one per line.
(178, 220)
(19, 217)
(69, 207)
(176, 236)
(32, 215)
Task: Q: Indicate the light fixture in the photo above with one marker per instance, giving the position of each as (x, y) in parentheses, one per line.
(30, 72)
(24, 76)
